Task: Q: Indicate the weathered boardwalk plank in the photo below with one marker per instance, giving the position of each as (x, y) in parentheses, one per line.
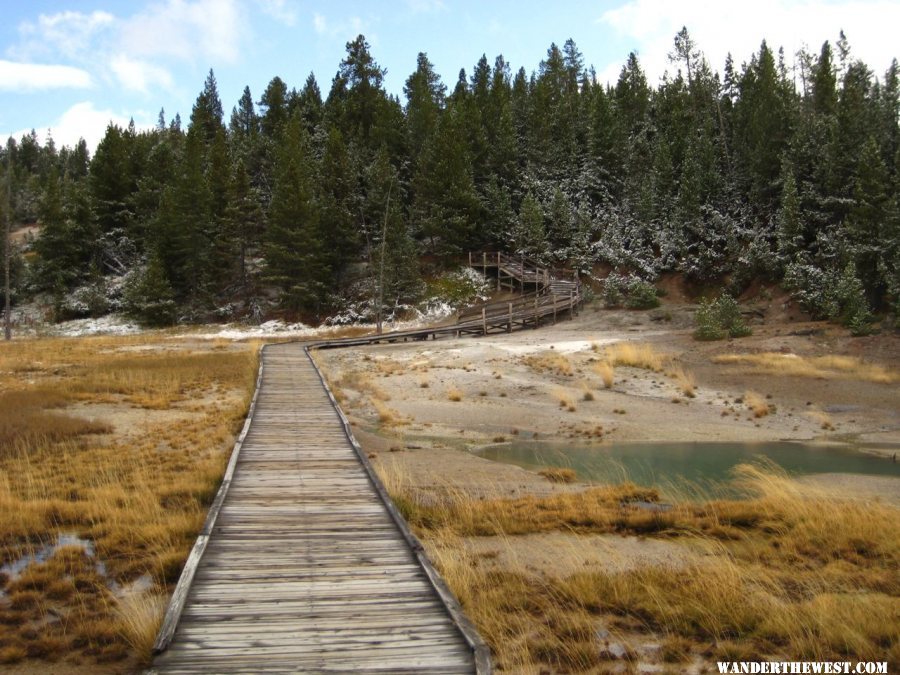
(303, 565)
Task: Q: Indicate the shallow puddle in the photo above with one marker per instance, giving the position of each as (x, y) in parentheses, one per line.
(679, 464)
(14, 569)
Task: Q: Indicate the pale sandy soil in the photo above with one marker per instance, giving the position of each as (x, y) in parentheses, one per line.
(430, 440)
(502, 398)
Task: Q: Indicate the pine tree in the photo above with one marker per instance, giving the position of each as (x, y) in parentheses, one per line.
(244, 222)
(365, 94)
(337, 193)
(425, 100)
(310, 104)
(207, 113)
(529, 235)
(149, 297)
(790, 227)
(446, 207)
(873, 208)
(244, 125)
(273, 108)
(295, 259)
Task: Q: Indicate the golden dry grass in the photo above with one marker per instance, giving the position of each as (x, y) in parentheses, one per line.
(790, 571)
(757, 404)
(636, 355)
(134, 478)
(606, 372)
(822, 418)
(386, 415)
(685, 380)
(550, 361)
(139, 616)
(564, 398)
(824, 367)
(454, 394)
(556, 474)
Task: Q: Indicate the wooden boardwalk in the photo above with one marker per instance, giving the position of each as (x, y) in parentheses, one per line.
(304, 565)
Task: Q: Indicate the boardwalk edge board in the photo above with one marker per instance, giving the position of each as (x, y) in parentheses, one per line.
(180, 594)
(480, 650)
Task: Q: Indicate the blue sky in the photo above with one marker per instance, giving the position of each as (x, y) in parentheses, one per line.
(74, 65)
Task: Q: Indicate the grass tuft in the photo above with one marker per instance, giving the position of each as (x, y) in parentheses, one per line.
(757, 403)
(685, 380)
(606, 372)
(557, 474)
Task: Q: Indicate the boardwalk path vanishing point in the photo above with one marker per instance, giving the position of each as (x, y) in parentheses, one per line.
(307, 567)
(304, 563)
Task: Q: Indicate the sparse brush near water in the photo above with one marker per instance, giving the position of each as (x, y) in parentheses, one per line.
(122, 442)
(790, 571)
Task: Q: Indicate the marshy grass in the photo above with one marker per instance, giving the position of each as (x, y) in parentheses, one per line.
(791, 571)
(822, 367)
(557, 474)
(122, 442)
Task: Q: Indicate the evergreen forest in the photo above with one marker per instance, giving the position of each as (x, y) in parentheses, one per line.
(286, 204)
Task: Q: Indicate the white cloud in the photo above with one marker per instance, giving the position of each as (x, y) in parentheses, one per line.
(347, 29)
(82, 120)
(211, 29)
(720, 27)
(19, 77)
(320, 23)
(69, 34)
(139, 75)
(281, 10)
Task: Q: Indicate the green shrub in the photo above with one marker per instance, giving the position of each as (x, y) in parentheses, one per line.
(720, 318)
(641, 295)
(149, 297)
(831, 294)
(630, 291)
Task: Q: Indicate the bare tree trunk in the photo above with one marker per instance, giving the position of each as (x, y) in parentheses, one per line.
(7, 252)
(387, 211)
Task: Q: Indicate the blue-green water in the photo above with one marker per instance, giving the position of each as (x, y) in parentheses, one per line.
(680, 463)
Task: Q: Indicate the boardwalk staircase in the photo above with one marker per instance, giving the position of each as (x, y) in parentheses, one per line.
(544, 293)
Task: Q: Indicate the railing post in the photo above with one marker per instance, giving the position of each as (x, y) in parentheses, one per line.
(522, 273)
(509, 322)
(484, 320)
(470, 258)
(536, 319)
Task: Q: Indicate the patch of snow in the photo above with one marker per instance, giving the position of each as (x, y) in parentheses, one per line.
(104, 325)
